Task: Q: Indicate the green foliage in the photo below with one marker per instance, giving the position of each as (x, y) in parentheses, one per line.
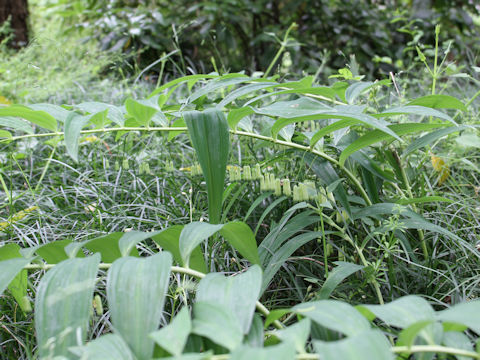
(362, 200)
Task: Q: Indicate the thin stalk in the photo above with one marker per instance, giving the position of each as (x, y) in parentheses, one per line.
(281, 50)
(45, 168)
(175, 269)
(435, 349)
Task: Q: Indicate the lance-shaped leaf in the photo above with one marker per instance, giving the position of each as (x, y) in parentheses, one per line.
(136, 289)
(63, 305)
(40, 118)
(467, 314)
(342, 271)
(376, 136)
(73, 125)
(439, 101)
(209, 135)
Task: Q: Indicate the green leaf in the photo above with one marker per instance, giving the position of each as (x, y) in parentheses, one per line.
(293, 109)
(58, 112)
(53, 252)
(141, 113)
(74, 123)
(106, 347)
(284, 351)
(63, 305)
(219, 83)
(128, 241)
(404, 311)
(16, 124)
(468, 140)
(241, 237)
(415, 110)
(467, 314)
(173, 337)
(182, 80)
(423, 199)
(318, 90)
(5, 134)
(40, 118)
(192, 235)
(18, 286)
(210, 137)
(346, 119)
(458, 340)
(439, 102)
(238, 294)
(368, 345)
(334, 315)
(356, 89)
(431, 137)
(376, 136)
(236, 115)
(275, 315)
(136, 289)
(9, 269)
(244, 90)
(341, 272)
(107, 246)
(255, 336)
(217, 323)
(281, 255)
(409, 334)
(327, 175)
(169, 240)
(297, 333)
(113, 113)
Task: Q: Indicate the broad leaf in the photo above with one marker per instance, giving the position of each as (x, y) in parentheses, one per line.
(9, 269)
(403, 312)
(217, 323)
(368, 345)
(173, 337)
(430, 138)
(169, 240)
(241, 237)
(106, 347)
(140, 112)
(136, 290)
(414, 110)
(467, 314)
(210, 137)
(63, 305)
(334, 315)
(297, 334)
(238, 294)
(18, 286)
(192, 235)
